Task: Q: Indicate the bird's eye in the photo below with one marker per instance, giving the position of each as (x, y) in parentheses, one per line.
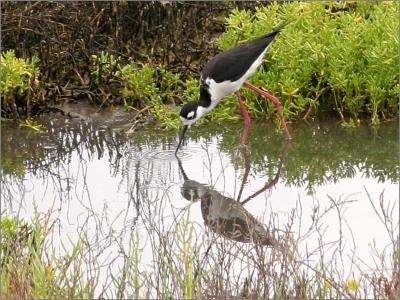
(190, 115)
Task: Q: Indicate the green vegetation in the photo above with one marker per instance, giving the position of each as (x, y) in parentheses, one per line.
(154, 87)
(332, 56)
(103, 65)
(340, 56)
(18, 75)
(31, 124)
(177, 260)
(143, 86)
(30, 268)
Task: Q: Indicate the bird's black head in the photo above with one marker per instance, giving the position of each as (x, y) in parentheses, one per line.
(188, 114)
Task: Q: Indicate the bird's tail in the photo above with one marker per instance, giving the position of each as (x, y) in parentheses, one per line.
(280, 26)
(277, 28)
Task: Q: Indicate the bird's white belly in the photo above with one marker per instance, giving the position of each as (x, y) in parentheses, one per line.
(221, 89)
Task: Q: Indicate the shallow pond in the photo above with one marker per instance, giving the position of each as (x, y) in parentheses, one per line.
(328, 201)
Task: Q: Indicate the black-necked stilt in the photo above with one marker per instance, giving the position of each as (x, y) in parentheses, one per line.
(225, 74)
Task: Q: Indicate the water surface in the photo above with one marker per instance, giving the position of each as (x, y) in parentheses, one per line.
(327, 190)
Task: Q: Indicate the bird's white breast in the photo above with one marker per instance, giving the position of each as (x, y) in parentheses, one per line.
(221, 89)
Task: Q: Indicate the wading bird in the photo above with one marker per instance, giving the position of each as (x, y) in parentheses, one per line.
(225, 74)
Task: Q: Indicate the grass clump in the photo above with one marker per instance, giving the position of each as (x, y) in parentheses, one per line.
(30, 268)
(178, 261)
(339, 56)
(18, 75)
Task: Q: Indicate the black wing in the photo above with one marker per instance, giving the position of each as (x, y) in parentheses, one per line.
(233, 63)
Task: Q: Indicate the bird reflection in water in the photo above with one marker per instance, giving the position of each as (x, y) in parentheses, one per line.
(227, 216)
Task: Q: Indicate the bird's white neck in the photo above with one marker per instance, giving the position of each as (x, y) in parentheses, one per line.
(202, 110)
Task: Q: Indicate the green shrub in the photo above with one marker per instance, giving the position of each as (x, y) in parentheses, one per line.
(192, 92)
(104, 65)
(167, 117)
(13, 231)
(17, 76)
(332, 55)
(139, 86)
(167, 84)
(156, 87)
(30, 268)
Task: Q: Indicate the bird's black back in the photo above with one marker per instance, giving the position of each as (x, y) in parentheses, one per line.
(233, 63)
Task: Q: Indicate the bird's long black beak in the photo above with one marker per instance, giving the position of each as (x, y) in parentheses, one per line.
(181, 136)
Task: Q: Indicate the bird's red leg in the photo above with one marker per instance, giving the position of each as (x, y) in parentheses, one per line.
(247, 120)
(247, 165)
(275, 179)
(277, 105)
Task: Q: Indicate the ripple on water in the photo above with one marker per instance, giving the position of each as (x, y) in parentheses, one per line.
(184, 154)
